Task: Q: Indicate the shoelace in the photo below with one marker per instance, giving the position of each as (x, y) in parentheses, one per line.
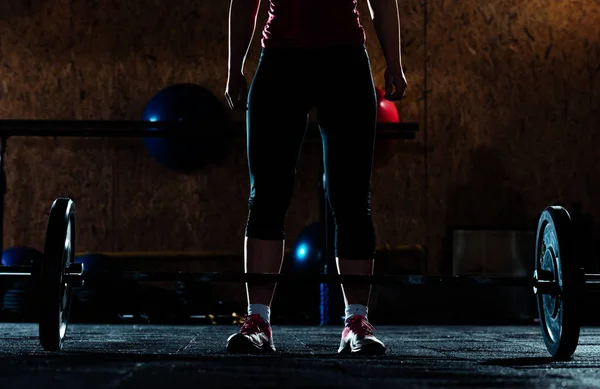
(360, 326)
(251, 325)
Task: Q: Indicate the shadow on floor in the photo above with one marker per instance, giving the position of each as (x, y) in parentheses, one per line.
(516, 362)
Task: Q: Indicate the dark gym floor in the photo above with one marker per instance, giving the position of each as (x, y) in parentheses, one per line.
(144, 356)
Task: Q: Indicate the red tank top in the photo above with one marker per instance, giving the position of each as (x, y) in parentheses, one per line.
(312, 23)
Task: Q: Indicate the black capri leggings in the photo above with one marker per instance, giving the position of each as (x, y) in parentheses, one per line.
(287, 84)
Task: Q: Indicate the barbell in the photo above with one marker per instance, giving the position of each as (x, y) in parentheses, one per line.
(167, 129)
(556, 280)
(195, 141)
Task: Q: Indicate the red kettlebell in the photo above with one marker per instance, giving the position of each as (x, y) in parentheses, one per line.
(387, 112)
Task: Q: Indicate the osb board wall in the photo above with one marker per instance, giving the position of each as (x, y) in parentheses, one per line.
(103, 60)
(512, 111)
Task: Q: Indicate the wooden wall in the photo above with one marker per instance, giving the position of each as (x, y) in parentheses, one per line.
(511, 120)
(513, 116)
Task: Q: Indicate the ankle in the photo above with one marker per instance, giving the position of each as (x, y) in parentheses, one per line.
(264, 311)
(356, 309)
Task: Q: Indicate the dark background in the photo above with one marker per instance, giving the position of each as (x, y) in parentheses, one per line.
(510, 124)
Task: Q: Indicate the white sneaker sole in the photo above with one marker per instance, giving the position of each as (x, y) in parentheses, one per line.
(371, 348)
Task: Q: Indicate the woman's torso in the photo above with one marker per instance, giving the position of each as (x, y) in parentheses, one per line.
(313, 23)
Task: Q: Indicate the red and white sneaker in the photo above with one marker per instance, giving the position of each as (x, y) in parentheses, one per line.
(358, 338)
(255, 336)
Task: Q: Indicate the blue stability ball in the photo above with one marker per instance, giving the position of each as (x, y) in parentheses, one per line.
(307, 249)
(93, 262)
(20, 256)
(188, 103)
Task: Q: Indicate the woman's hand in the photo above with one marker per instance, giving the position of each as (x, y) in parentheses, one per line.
(236, 92)
(395, 83)
(386, 18)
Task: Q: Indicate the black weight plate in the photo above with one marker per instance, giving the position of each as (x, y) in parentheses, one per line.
(55, 293)
(555, 253)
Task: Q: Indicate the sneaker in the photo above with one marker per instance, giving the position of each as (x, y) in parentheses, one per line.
(255, 336)
(358, 338)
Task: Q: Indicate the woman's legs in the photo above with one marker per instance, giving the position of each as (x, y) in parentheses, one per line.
(276, 123)
(347, 113)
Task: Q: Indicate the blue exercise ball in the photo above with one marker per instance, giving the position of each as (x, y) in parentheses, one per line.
(21, 256)
(16, 295)
(208, 142)
(94, 262)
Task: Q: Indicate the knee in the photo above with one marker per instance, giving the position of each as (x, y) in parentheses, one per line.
(266, 218)
(355, 238)
(354, 230)
(349, 208)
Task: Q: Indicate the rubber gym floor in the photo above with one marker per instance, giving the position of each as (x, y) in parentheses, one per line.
(147, 356)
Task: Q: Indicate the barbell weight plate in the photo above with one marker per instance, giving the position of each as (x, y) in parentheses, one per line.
(55, 292)
(555, 253)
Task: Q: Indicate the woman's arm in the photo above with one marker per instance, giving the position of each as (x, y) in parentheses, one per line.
(386, 20)
(242, 23)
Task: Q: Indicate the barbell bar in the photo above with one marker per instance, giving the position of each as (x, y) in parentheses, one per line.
(161, 129)
(75, 274)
